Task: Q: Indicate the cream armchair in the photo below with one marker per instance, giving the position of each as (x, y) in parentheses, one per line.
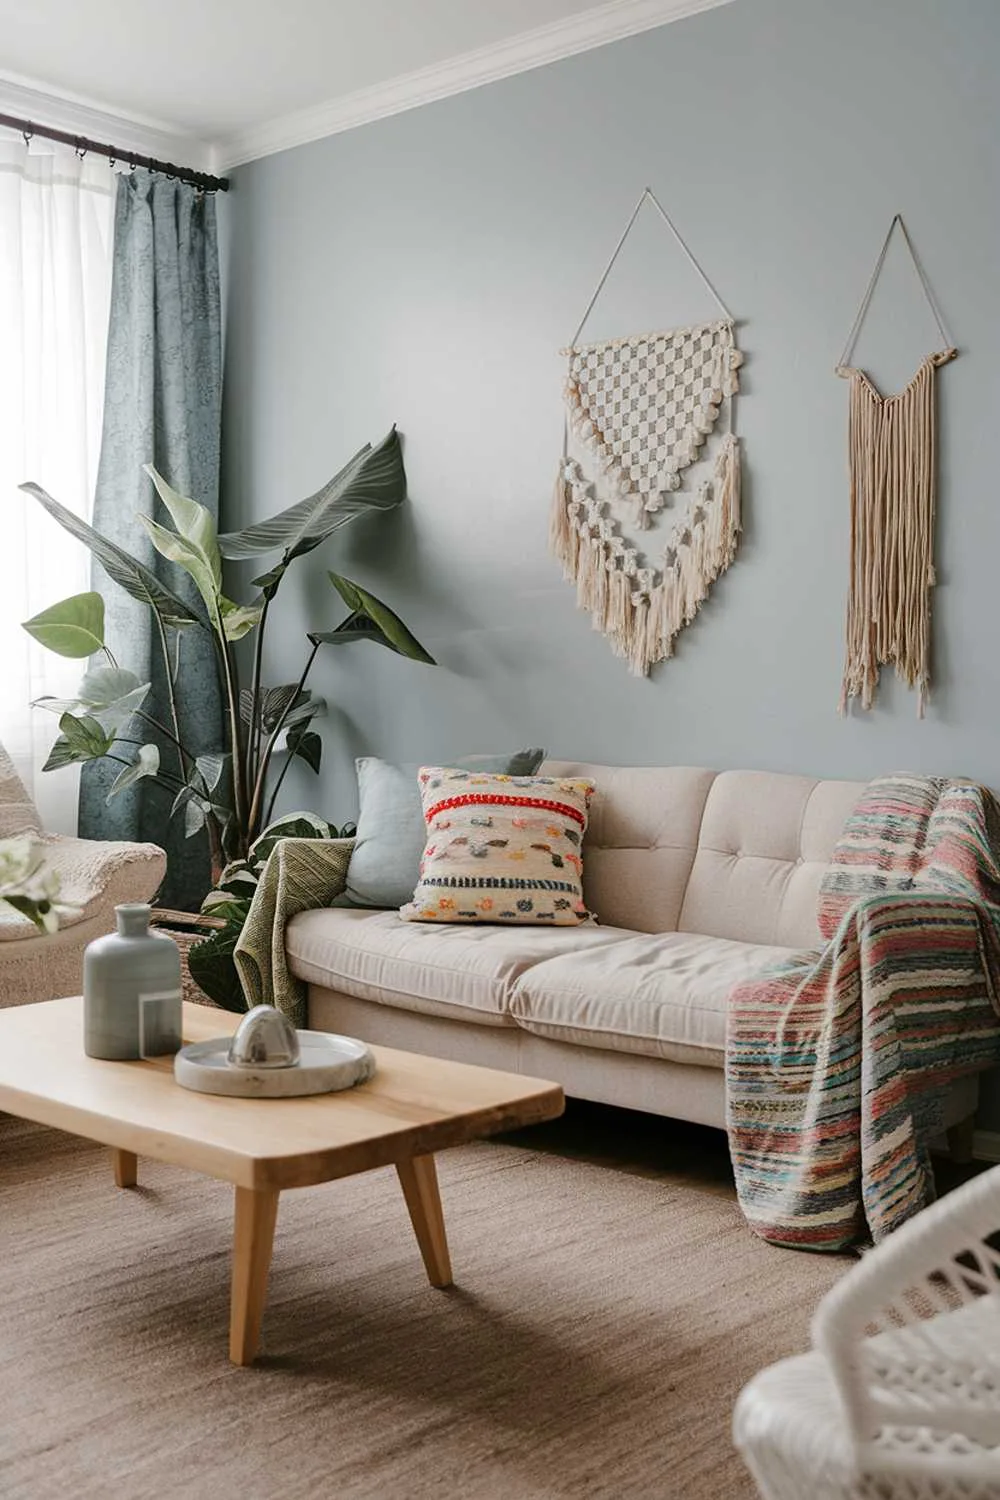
(94, 878)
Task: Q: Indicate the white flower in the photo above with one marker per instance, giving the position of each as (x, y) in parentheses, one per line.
(34, 887)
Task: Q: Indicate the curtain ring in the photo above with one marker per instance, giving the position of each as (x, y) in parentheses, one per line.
(28, 135)
(80, 149)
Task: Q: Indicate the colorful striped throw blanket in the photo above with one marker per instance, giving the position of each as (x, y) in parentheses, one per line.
(835, 1067)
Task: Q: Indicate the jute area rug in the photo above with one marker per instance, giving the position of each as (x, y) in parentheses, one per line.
(609, 1304)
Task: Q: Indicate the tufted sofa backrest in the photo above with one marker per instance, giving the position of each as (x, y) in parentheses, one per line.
(730, 854)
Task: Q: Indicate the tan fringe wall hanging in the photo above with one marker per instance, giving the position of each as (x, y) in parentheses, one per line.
(643, 425)
(892, 453)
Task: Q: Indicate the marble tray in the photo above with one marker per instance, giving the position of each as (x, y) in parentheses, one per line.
(326, 1063)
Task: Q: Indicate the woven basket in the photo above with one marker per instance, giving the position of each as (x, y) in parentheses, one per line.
(187, 929)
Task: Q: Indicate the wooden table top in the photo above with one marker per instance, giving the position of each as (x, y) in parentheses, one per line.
(413, 1106)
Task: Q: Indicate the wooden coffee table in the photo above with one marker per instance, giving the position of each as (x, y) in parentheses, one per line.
(412, 1107)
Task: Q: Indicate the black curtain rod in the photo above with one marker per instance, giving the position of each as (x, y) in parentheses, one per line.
(81, 144)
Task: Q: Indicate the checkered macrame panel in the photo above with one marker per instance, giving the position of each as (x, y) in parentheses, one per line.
(645, 405)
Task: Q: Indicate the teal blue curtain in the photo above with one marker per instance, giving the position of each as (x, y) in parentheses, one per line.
(162, 405)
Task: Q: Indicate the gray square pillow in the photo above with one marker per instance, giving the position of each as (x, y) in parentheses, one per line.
(385, 862)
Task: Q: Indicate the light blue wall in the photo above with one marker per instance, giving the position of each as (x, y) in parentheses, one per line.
(426, 269)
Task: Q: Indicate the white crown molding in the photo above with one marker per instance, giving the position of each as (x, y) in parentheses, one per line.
(610, 22)
(31, 100)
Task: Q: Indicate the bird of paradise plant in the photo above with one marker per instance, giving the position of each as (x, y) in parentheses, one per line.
(230, 793)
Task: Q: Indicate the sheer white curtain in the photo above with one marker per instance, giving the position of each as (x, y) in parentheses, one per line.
(56, 232)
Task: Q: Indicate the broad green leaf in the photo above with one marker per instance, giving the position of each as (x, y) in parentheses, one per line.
(284, 705)
(57, 705)
(210, 962)
(304, 710)
(298, 825)
(63, 754)
(85, 734)
(230, 908)
(146, 763)
(81, 739)
(239, 619)
(273, 702)
(183, 798)
(389, 628)
(112, 696)
(136, 579)
(307, 745)
(97, 698)
(115, 716)
(357, 627)
(194, 523)
(195, 816)
(197, 809)
(103, 686)
(178, 549)
(237, 879)
(212, 769)
(268, 582)
(374, 480)
(74, 627)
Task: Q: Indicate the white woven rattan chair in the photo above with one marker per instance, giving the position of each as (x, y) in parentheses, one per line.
(899, 1398)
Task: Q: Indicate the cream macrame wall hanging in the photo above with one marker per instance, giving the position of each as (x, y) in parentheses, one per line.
(649, 429)
(893, 468)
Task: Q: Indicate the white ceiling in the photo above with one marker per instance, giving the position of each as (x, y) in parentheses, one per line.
(240, 78)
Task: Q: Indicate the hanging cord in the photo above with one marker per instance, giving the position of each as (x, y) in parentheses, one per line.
(862, 312)
(647, 193)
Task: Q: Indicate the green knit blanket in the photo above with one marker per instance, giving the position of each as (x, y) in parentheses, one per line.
(300, 874)
(833, 1064)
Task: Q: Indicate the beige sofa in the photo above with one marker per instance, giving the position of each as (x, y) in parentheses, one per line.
(699, 879)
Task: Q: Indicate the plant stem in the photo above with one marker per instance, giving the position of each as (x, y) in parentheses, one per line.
(253, 737)
(265, 759)
(269, 814)
(182, 754)
(231, 677)
(216, 856)
(141, 714)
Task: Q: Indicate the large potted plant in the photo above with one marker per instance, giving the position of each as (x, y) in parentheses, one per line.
(230, 793)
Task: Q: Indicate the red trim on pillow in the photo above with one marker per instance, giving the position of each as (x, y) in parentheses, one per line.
(472, 799)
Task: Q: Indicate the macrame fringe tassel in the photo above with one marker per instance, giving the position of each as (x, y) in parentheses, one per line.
(641, 625)
(559, 517)
(892, 467)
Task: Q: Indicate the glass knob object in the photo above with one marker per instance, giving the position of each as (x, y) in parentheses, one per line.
(264, 1039)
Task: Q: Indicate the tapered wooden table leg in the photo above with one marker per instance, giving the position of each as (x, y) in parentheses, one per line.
(126, 1167)
(418, 1178)
(253, 1236)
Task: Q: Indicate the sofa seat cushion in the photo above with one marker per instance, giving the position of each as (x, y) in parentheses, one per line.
(661, 995)
(465, 971)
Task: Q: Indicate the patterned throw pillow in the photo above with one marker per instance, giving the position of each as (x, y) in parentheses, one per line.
(390, 839)
(501, 849)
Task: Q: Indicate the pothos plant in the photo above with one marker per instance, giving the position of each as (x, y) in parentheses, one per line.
(230, 793)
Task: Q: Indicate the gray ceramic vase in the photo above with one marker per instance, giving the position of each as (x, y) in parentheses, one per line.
(132, 990)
